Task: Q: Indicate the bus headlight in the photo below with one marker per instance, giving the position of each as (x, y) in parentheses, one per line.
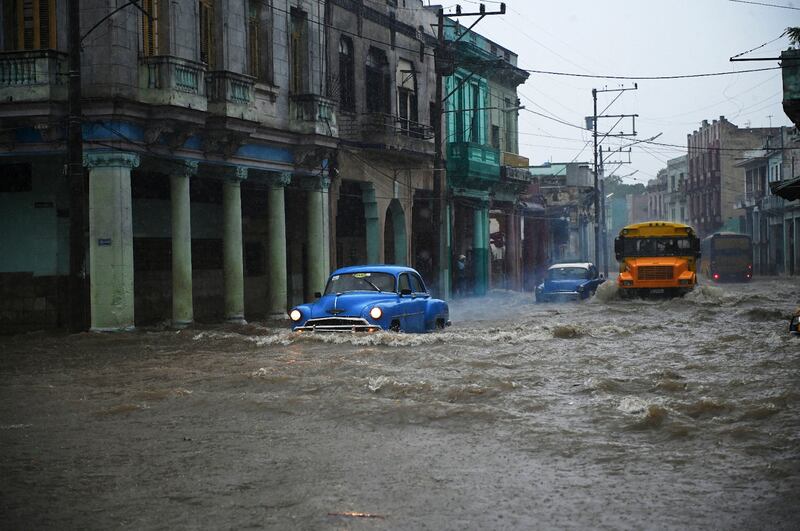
(295, 315)
(627, 282)
(376, 313)
(684, 282)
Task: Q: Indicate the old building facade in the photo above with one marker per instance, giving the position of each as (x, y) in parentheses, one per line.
(714, 180)
(230, 150)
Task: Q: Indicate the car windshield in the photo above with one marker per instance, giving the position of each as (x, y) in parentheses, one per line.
(362, 281)
(568, 273)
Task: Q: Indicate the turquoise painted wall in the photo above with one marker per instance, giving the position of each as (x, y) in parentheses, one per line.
(32, 236)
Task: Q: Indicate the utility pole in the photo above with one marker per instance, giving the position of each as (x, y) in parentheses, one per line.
(444, 65)
(598, 165)
(78, 221)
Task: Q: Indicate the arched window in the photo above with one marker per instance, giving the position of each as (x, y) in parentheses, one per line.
(378, 81)
(30, 24)
(347, 74)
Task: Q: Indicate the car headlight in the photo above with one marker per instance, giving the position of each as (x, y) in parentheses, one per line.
(295, 315)
(580, 289)
(376, 313)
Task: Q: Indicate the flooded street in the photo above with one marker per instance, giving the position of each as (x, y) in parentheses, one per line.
(655, 414)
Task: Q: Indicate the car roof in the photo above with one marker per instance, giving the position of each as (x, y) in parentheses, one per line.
(378, 268)
(585, 265)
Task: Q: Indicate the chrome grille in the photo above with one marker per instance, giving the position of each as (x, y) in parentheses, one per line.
(338, 324)
(655, 273)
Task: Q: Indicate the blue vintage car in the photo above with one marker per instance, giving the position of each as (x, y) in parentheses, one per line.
(569, 281)
(370, 298)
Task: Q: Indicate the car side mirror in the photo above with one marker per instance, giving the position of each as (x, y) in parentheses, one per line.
(317, 295)
(602, 276)
(404, 292)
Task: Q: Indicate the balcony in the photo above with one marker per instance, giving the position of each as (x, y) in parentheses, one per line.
(472, 165)
(386, 131)
(790, 68)
(311, 114)
(230, 95)
(166, 80)
(33, 76)
(772, 203)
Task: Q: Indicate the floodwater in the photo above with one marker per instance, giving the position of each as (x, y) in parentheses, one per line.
(655, 414)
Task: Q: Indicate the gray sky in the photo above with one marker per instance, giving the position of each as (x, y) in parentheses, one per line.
(639, 38)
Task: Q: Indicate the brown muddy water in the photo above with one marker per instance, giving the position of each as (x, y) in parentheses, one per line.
(657, 414)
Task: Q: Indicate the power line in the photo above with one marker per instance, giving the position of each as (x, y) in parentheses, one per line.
(649, 78)
(765, 4)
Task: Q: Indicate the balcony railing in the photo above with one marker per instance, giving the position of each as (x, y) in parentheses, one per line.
(34, 75)
(772, 202)
(471, 164)
(167, 80)
(313, 114)
(231, 94)
(386, 130)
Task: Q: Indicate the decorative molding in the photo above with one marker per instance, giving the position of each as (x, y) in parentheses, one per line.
(223, 142)
(110, 159)
(312, 157)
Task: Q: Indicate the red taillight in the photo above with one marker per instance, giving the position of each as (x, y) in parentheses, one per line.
(749, 266)
(716, 276)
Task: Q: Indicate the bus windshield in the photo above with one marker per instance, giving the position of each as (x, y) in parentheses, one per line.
(657, 247)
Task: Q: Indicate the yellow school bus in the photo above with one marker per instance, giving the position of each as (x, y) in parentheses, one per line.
(657, 257)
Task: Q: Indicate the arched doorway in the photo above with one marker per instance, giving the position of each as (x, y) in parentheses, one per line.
(394, 235)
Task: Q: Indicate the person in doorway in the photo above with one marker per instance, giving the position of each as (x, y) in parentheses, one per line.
(461, 275)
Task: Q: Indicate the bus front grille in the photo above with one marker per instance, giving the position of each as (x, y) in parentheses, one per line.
(655, 273)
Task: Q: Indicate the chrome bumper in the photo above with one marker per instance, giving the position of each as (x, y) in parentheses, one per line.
(337, 324)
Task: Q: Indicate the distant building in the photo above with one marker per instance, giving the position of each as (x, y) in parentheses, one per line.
(675, 200)
(771, 221)
(568, 189)
(637, 208)
(714, 179)
(656, 196)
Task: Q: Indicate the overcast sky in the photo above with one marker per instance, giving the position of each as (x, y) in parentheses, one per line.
(639, 38)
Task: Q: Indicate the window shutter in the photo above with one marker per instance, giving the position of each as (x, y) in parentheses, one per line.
(254, 35)
(207, 33)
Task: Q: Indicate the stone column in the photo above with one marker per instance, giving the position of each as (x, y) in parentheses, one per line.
(233, 268)
(480, 251)
(182, 307)
(374, 236)
(276, 232)
(318, 236)
(110, 239)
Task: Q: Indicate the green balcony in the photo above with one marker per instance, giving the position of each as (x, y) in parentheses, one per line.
(790, 67)
(472, 165)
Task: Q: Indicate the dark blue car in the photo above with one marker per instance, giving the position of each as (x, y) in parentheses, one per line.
(371, 298)
(569, 281)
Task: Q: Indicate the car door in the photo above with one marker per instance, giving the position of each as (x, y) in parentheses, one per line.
(412, 307)
(421, 298)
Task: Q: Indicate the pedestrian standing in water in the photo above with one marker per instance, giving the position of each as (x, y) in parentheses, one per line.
(461, 274)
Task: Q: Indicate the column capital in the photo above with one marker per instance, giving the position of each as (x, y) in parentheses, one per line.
(183, 168)
(279, 179)
(316, 183)
(110, 159)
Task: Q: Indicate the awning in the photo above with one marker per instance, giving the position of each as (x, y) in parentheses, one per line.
(789, 190)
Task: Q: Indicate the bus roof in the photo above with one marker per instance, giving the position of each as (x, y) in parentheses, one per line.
(661, 228)
(727, 235)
